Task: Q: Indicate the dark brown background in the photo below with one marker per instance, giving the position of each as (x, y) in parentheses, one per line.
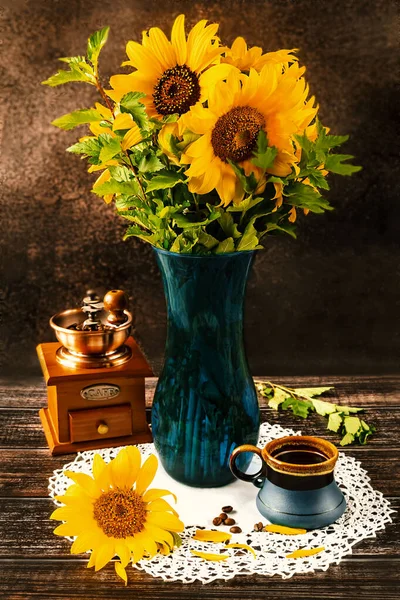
(326, 303)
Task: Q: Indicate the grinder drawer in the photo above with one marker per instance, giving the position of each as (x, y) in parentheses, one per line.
(98, 423)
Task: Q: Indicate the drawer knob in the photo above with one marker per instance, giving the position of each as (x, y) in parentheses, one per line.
(102, 428)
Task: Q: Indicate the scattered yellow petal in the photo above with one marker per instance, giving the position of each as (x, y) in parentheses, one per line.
(121, 572)
(244, 546)
(209, 556)
(283, 530)
(205, 535)
(293, 215)
(303, 552)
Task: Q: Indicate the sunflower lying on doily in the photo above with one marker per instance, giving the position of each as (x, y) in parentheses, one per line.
(114, 513)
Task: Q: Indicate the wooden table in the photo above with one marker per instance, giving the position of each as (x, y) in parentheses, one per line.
(34, 563)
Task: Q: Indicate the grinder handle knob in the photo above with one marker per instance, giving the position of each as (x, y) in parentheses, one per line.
(115, 302)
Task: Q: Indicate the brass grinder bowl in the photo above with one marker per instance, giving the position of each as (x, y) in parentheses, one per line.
(89, 348)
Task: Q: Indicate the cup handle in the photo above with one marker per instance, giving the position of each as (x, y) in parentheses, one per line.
(256, 478)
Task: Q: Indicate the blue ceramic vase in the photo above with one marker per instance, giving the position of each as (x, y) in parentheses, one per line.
(205, 403)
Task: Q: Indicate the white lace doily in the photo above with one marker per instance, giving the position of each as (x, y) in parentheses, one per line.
(367, 512)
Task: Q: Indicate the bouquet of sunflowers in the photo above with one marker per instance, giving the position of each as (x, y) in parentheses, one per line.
(203, 148)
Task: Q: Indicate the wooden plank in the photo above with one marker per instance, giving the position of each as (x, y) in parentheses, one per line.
(30, 535)
(356, 391)
(21, 428)
(58, 580)
(25, 473)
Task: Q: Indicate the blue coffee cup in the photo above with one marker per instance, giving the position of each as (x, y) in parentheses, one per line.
(298, 488)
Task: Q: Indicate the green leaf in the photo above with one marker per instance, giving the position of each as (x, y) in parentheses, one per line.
(352, 424)
(304, 196)
(150, 164)
(249, 183)
(124, 203)
(311, 392)
(278, 398)
(95, 44)
(300, 408)
(78, 117)
(164, 181)
(317, 178)
(120, 173)
(265, 155)
(76, 73)
(227, 245)
(116, 187)
(187, 222)
(249, 240)
(228, 225)
(183, 245)
(334, 164)
(130, 103)
(335, 421)
(207, 240)
(90, 149)
(135, 231)
(177, 539)
(323, 408)
(111, 148)
(347, 439)
(245, 205)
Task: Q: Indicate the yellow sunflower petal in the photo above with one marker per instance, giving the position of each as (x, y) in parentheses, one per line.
(304, 552)
(123, 552)
(284, 530)
(86, 482)
(67, 529)
(243, 547)
(142, 58)
(158, 534)
(92, 560)
(165, 521)
(87, 540)
(178, 39)
(100, 470)
(209, 535)
(120, 470)
(210, 556)
(131, 138)
(105, 176)
(155, 493)
(121, 572)
(160, 505)
(146, 474)
(136, 547)
(162, 49)
(149, 545)
(210, 77)
(123, 121)
(104, 554)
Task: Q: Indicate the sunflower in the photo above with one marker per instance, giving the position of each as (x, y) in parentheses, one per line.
(253, 58)
(114, 514)
(273, 101)
(174, 75)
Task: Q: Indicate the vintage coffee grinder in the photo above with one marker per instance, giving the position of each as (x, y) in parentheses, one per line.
(95, 377)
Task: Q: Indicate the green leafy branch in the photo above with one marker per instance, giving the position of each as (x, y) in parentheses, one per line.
(302, 401)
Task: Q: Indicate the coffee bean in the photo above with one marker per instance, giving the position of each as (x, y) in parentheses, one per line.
(223, 516)
(217, 521)
(227, 509)
(235, 529)
(258, 526)
(229, 522)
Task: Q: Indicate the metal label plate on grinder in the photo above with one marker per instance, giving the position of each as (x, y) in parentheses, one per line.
(100, 391)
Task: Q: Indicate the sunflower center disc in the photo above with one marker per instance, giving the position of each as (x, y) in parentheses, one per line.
(176, 91)
(120, 513)
(235, 134)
